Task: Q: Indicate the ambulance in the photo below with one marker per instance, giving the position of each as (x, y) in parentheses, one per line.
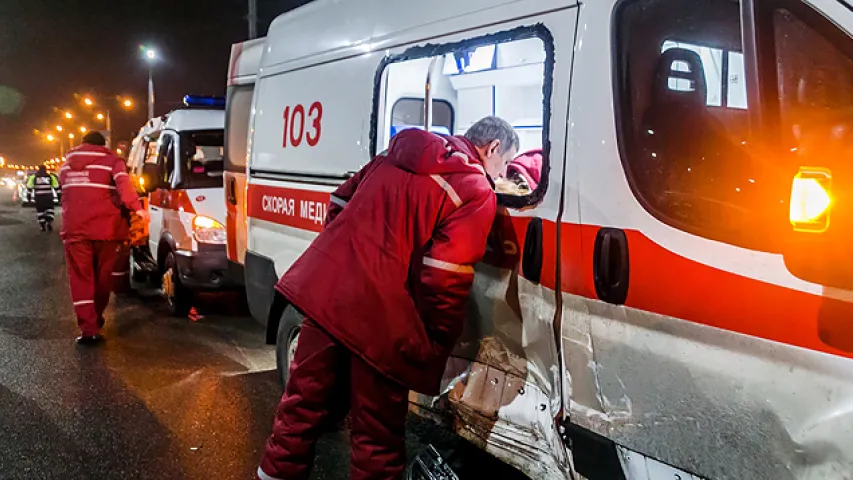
(177, 162)
(673, 299)
(242, 75)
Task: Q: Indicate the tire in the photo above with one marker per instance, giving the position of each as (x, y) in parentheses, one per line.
(178, 296)
(286, 341)
(136, 279)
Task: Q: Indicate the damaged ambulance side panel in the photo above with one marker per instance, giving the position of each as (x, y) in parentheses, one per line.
(503, 385)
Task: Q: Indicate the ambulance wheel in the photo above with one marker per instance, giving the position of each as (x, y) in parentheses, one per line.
(285, 345)
(178, 296)
(137, 279)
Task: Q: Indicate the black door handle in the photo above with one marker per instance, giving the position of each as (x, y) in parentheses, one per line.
(531, 261)
(232, 191)
(610, 265)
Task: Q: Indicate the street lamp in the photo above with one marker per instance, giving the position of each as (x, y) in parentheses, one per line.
(88, 101)
(100, 117)
(69, 115)
(83, 130)
(50, 137)
(59, 128)
(127, 103)
(150, 56)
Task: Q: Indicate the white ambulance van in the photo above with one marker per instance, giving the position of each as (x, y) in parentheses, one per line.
(242, 75)
(672, 296)
(177, 160)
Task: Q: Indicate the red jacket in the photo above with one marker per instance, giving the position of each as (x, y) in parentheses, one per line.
(389, 277)
(95, 185)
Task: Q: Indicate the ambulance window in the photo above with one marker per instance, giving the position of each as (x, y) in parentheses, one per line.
(237, 126)
(201, 159)
(684, 125)
(166, 158)
(503, 74)
(151, 151)
(409, 113)
(814, 81)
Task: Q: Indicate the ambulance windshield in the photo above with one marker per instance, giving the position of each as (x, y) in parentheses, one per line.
(202, 158)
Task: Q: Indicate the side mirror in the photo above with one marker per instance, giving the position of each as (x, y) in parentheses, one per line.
(150, 179)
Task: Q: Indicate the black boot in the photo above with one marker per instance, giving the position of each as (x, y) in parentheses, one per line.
(43, 227)
(89, 339)
(49, 226)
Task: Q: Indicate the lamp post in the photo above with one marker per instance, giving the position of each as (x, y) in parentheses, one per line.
(107, 116)
(150, 57)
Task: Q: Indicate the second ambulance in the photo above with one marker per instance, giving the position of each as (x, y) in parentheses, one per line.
(177, 160)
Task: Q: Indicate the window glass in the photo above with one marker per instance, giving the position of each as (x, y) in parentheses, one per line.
(166, 158)
(496, 76)
(815, 88)
(201, 159)
(736, 81)
(237, 125)
(691, 163)
(151, 151)
(409, 113)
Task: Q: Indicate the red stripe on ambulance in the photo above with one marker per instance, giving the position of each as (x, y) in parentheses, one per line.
(661, 281)
(304, 209)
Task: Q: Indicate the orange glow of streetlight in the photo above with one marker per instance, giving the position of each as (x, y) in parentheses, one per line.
(50, 138)
(59, 128)
(71, 136)
(69, 115)
(88, 101)
(100, 116)
(127, 103)
(83, 130)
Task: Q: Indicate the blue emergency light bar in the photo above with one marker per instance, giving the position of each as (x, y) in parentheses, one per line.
(204, 101)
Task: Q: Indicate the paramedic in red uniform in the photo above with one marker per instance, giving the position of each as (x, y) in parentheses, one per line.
(95, 186)
(383, 289)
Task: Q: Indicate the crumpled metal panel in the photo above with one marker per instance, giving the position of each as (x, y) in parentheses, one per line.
(501, 388)
(716, 403)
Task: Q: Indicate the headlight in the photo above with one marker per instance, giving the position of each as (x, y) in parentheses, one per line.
(208, 230)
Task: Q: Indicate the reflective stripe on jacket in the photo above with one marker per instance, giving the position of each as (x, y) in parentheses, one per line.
(95, 187)
(390, 275)
(42, 184)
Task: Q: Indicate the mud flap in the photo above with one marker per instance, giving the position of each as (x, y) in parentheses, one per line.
(429, 465)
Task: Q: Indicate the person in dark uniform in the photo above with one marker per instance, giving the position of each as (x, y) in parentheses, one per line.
(42, 185)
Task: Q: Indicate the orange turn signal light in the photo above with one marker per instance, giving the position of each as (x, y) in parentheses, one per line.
(811, 199)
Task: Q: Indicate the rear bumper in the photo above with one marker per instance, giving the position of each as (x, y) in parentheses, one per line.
(207, 269)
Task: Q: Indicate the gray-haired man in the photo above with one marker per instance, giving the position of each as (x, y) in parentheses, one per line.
(383, 290)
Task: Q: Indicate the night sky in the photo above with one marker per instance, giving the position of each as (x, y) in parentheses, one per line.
(50, 49)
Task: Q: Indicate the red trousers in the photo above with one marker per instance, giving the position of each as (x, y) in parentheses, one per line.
(90, 273)
(326, 380)
(121, 269)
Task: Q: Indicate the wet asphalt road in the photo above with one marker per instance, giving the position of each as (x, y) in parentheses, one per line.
(162, 398)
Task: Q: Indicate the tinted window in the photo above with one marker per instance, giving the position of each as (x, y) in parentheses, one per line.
(814, 81)
(201, 159)
(237, 125)
(684, 122)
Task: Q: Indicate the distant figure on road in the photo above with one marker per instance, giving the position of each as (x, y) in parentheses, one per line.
(383, 289)
(95, 185)
(43, 185)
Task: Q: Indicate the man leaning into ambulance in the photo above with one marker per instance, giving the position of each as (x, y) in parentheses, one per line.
(383, 289)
